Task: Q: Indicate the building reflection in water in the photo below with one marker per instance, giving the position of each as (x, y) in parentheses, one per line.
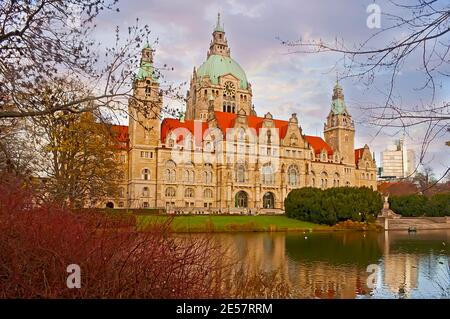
(334, 265)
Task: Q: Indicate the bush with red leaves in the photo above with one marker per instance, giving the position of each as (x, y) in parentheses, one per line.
(37, 243)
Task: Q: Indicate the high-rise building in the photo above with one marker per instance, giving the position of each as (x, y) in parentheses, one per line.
(397, 161)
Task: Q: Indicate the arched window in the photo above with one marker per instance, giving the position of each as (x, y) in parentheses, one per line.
(146, 174)
(313, 179)
(207, 193)
(188, 192)
(170, 175)
(324, 180)
(170, 171)
(189, 176)
(170, 192)
(224, 107)
(267, 174)
(268, 200)
(145, 191)
(241, 199)
(293, 176)
(240, 174)
(207, 173)
(336, 180)
(269, 137)
(207, 177)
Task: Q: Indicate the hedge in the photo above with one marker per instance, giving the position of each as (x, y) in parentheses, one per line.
(333, 205)
(418, 205)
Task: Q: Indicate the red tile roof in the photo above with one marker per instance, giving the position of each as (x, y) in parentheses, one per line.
(318, 144)
(120, 133)
(358, 154)
(168, 125)
(224, 122)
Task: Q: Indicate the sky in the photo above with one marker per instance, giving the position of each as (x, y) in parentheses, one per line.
(284, 82)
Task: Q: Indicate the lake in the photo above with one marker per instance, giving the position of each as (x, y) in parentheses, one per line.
(349, 264)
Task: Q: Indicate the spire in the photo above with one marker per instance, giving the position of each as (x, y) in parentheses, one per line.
(337, 102)
(218, 28)
(219, 44)
(146, 69)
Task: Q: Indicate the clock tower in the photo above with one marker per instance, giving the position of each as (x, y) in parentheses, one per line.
(339, 130)
(219, 79)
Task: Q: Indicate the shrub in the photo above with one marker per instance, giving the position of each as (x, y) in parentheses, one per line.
(419, 205)
(438, 205)
(116, 261)
(333, 205)
(37, 243)
(408, 205)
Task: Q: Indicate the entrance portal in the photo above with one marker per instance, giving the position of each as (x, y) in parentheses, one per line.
(241, 200)
(268, 200)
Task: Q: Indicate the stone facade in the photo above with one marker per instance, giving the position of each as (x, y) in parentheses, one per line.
(222, 156)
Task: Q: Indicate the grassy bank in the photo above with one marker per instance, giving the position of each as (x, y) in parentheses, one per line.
(232, 223)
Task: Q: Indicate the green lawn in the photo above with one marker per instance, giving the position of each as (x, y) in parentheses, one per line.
(231, 223)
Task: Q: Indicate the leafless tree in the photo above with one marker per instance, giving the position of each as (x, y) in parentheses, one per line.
(42, 41)
(420, 37)
(16, 155)
(425, 178)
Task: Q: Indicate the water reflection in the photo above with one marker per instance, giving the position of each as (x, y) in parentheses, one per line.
(334, 265)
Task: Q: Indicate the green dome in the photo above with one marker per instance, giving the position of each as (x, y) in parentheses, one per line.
(338, 107)
(146, 70)
(217, 65)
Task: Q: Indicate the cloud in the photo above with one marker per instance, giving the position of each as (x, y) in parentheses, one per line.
(283, 82)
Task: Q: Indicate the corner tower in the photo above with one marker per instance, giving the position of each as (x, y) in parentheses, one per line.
(339, 130)
(220, 77)
(144, 131)
(146, 103)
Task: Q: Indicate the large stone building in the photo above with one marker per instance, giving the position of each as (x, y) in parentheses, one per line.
(222, 156)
